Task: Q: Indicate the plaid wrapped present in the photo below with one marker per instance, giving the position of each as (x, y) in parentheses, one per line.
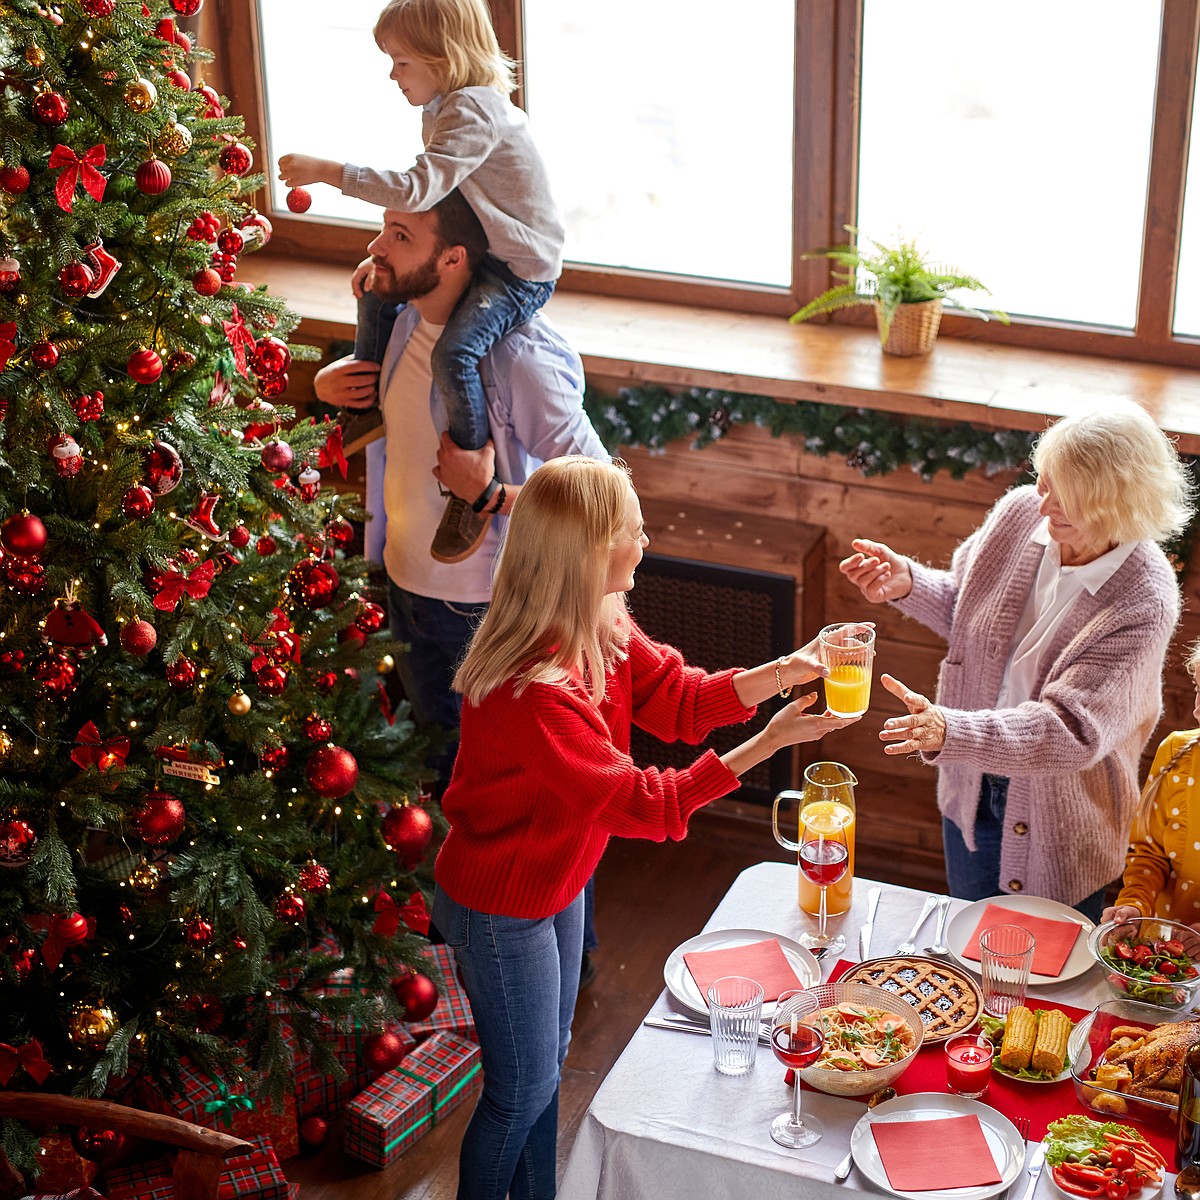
(253, 1174)
(438, 1076)
(453, 1012)
(83, 1193)
(319, 1094)
(59, 1167)
(150, 1180)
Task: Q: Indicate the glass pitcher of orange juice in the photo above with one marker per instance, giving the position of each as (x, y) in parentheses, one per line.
(827, 796)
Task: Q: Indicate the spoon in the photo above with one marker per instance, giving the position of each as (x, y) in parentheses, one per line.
(939, 938)
(884, 1093)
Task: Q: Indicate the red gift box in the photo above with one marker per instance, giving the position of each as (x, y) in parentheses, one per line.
(255, 1175)
(453, 1012)
(401, 1105)
(150, 1180)
(59, 1167)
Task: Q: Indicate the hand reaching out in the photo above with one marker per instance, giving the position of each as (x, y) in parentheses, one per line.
(296, 170)
(923, 729)
(877, 571)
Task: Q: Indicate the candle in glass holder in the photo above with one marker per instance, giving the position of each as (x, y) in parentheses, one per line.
(969, 1065)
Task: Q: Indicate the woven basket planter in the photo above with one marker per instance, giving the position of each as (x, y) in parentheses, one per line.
(914, 328)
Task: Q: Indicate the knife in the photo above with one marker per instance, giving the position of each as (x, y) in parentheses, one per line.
(1037, 1159)
(843, 1168)
(685, 1025)
(864, 934)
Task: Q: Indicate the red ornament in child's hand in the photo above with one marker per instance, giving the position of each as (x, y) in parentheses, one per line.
(299, 200)
(417, 994)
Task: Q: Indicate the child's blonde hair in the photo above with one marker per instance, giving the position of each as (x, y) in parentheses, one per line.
(454, 38)
(550, 619)
(1150, 791)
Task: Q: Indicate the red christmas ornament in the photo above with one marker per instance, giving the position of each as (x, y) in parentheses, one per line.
(187, 8)
(69, 627)
(10, 280)
(186, 554)
(270, 356)
(14, 179)
(50, 108)
(98, 8)
(314, 1131)
(383, 1052)
(163, 467)
(138, 637)
(69, 928)
(325, 682)
(23, 534)
(153, 177)
(179, 79)
(160, 819)
(265, 546)
(180, 360)
(26, 576)
(65, 456)
(207, 282)
(277, 456)
(213, 107)
(417, 994)
(207, 1014)
(198, 933)
(314, 877)
(76, 279)
(231, 241)
(205, 227)
(407, 829)
(125, 913)
(290, 908)
(201, 519)
(310, 484)
(371, 618)
(313, 584)
(89, 406)
(332, 772)
(258, 230)
(235, 159)
(44, 355)
(57, 676)
(183, 41)
(17, 843)
(94, 1145)
(224, 264)
(274, 758)
(299, 200)
(144, 366)
(12, 662)
(138, 502)
(353, 636)
(272, 680)
(239, 536)
(165, 30)
(182, 673)
(237, 942)
(272, 385)
(317, 728)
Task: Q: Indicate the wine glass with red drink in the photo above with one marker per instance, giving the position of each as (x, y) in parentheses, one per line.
(824, 858)
(796, 1045)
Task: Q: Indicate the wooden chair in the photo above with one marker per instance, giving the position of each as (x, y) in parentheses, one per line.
(201, 1152)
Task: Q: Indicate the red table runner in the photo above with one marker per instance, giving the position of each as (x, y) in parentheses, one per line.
(1040, 1102)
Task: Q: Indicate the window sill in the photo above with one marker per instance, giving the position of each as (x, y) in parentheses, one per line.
(630, 341)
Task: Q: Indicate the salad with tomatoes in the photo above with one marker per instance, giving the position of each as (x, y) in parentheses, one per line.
(1150, 970)
(1101, 1160)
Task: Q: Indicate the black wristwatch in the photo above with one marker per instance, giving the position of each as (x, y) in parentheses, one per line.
(487, 494)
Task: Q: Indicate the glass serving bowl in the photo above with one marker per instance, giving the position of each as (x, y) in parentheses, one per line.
(1125, 982)
(1086, 1047)
(838, 1082)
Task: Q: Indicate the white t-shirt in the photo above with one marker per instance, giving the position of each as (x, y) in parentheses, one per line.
(1054, 590)
(411, 497)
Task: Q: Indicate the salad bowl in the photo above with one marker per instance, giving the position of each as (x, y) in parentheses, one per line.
(1149, 959)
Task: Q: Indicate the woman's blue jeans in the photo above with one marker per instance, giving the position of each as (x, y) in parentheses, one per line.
(975, 874)
(521, 976)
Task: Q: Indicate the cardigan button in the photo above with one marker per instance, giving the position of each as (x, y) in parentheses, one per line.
(1021, 828)
(1015, 885)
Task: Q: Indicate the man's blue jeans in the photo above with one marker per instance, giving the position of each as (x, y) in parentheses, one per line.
(521, 976)
(975, 875)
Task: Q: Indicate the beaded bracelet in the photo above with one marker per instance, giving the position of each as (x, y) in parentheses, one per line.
(785, 692)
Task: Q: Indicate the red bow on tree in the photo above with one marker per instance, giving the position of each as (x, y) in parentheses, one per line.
(75, 170)
(175, 583)
(91, 749)
(413, 913)
(8, 343)
(241, 339)
(331, 454)
(28, 1057)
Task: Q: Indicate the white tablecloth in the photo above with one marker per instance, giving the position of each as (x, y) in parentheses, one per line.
(664, 1124)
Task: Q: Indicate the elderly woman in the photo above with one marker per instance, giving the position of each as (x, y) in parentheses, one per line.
(1058, 612)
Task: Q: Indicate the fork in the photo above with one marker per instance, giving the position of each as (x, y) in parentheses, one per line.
(909, 945)
(1022, 1124)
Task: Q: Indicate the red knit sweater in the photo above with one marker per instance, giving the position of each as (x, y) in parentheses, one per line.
(542, 780)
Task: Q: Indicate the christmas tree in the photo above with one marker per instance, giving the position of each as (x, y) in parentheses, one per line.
(203, 788)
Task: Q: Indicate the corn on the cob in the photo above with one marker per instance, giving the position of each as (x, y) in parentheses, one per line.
(1020, 1036)
(1050, 1049)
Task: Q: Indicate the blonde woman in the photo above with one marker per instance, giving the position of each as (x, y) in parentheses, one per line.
(1057, 613)
(553, 680)
(1162, 866)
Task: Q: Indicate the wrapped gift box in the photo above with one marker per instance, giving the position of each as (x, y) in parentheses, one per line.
(60, 1168)
(320, 1094)
(401, 1105)
(150, 1180)
(254, 1175)
(453, 1012)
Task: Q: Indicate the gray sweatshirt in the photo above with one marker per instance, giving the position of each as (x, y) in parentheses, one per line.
(478, 141)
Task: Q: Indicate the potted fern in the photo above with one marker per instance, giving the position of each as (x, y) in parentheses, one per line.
(906, 290)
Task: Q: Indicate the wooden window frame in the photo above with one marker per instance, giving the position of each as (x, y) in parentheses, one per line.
(828, 53)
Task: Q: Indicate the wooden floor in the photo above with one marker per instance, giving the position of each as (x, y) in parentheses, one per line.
(649, 898)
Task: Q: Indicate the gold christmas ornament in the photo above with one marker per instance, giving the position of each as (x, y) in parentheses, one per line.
(386, 665)
(144, 878)
(35, 56)
(239, 704)
(6, 745)
(140, 95)
(175, 140)
(91, 1025)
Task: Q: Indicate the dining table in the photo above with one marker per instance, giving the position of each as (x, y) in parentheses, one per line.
(665, 1124)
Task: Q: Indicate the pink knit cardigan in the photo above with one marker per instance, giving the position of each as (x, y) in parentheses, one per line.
(1072, 752)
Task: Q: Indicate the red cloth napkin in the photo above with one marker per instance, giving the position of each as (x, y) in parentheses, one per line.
(762, 961)
(1053, 940)
(919, 1156)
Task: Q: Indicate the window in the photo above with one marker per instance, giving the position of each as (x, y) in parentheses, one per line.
(696, 160)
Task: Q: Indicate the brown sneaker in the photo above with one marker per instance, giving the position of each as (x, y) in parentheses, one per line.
(460, 533)
(360, 428)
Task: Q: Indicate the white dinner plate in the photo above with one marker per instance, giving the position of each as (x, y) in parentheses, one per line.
(963, 924)
(683, 987)
(1146, 1193)
(1003, 1141)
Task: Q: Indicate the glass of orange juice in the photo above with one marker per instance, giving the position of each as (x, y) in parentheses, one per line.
(848, 650)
